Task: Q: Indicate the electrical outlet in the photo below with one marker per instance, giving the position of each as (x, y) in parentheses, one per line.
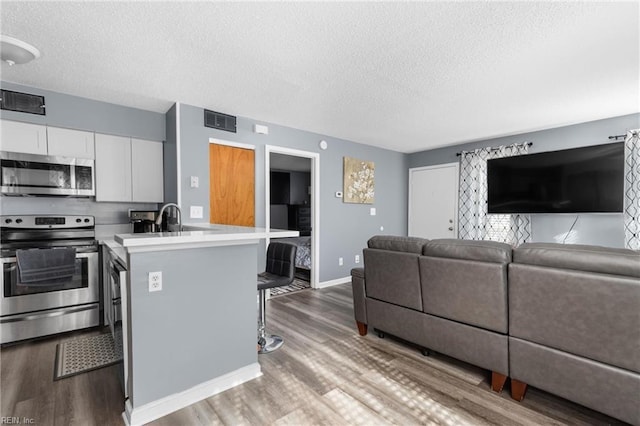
(357, 258)
(155, 281)
(196, 212)
(340, 261)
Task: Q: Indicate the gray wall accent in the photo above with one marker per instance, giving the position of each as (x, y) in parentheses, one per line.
(567, 137)
(170, 159)
(344, 228)
(84, 114)
(201, 325)
(598, 229)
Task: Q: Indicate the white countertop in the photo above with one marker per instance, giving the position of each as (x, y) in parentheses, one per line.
(205, 233)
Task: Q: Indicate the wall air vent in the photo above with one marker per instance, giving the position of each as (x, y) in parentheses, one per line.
(22, 102)
(219, 121)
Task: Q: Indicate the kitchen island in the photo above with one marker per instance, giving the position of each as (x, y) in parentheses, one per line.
(189, 315)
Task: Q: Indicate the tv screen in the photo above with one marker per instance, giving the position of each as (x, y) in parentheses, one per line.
(580, 180)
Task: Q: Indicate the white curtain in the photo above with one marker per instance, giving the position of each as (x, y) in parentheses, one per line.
(632, 190)
(473, 221)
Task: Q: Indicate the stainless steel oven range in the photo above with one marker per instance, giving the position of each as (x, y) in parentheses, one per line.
(48, 306)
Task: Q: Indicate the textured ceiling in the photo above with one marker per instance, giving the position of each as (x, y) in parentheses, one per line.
(406, 76)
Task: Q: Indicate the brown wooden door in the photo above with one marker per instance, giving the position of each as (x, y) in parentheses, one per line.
(232, 185)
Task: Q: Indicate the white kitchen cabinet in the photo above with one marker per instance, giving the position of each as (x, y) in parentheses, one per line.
(147, 171)
(21, 137)
(70, 143)
(113, 168)
(129, 170)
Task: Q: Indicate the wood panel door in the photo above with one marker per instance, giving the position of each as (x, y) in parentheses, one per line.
(232, 185)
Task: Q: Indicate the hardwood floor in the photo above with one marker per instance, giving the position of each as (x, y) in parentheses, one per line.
(325, 374)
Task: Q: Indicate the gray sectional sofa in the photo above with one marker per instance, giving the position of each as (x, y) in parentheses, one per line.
(563, 318)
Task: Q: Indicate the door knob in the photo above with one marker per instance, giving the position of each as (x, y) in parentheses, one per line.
(451, 228)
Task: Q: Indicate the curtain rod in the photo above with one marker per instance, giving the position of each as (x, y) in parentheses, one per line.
(458, 154)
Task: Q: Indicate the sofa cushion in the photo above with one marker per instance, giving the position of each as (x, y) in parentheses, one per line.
(484, 251)
(395, 243)
(393, 276)
(603, 260)
(466, 291)
(591, 315)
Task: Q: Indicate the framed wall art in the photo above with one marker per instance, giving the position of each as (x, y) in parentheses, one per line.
(358, 181)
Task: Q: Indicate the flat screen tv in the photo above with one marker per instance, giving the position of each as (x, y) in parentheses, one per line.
(580, 180)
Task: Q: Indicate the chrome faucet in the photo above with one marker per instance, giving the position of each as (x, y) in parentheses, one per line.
(159, 219)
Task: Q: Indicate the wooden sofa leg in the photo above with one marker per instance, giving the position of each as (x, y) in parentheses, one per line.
(362, 328)
(497, 381)
(518, 389)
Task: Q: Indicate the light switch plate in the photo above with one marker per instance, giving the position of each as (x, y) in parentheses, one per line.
(196, 212)
(195, 182)
(372, 211)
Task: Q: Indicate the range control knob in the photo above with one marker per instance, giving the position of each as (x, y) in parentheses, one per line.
(18, 220)
(78, 220)
(8, 221)
(86, 220)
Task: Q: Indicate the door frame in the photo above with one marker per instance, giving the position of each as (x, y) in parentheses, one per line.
(315, 201)
(457, 184)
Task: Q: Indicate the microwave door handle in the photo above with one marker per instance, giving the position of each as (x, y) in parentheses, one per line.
(72, 178)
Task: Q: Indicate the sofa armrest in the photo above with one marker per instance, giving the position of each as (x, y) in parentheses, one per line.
(359, 295)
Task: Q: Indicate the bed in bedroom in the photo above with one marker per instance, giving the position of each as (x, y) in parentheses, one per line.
(303, 255)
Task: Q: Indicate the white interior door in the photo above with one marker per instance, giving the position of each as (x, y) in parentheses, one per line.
(433, 201)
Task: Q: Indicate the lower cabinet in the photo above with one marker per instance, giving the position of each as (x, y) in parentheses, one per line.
(128, 170)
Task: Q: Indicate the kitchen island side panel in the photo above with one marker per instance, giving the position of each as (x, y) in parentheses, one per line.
(200, 326)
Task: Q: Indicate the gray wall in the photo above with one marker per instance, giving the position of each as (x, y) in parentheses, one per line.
(83, 114)
(600, 229)
(344, 228)
(86, 114)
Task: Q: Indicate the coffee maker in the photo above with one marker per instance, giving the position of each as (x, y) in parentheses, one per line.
(143, 221)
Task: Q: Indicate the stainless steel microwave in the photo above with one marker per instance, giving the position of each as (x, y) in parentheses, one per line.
(28, 174)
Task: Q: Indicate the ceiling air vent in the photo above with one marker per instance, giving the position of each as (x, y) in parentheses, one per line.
(22, 102)
(219, 121)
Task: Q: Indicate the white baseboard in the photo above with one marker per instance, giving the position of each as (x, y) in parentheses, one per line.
(163, 406)
(337, 281)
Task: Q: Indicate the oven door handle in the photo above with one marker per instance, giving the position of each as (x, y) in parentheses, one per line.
(57, 313)
(78, 256)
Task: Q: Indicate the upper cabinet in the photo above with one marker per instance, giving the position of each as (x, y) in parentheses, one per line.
(147, 171)
(128, 170)
(27, 138)
(70, 143)
(21, 137)
(113, 168)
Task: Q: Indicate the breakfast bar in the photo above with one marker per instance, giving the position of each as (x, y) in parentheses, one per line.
(189, 315)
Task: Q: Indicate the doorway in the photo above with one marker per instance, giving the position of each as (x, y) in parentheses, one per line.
(433, 201)
(292, 202)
